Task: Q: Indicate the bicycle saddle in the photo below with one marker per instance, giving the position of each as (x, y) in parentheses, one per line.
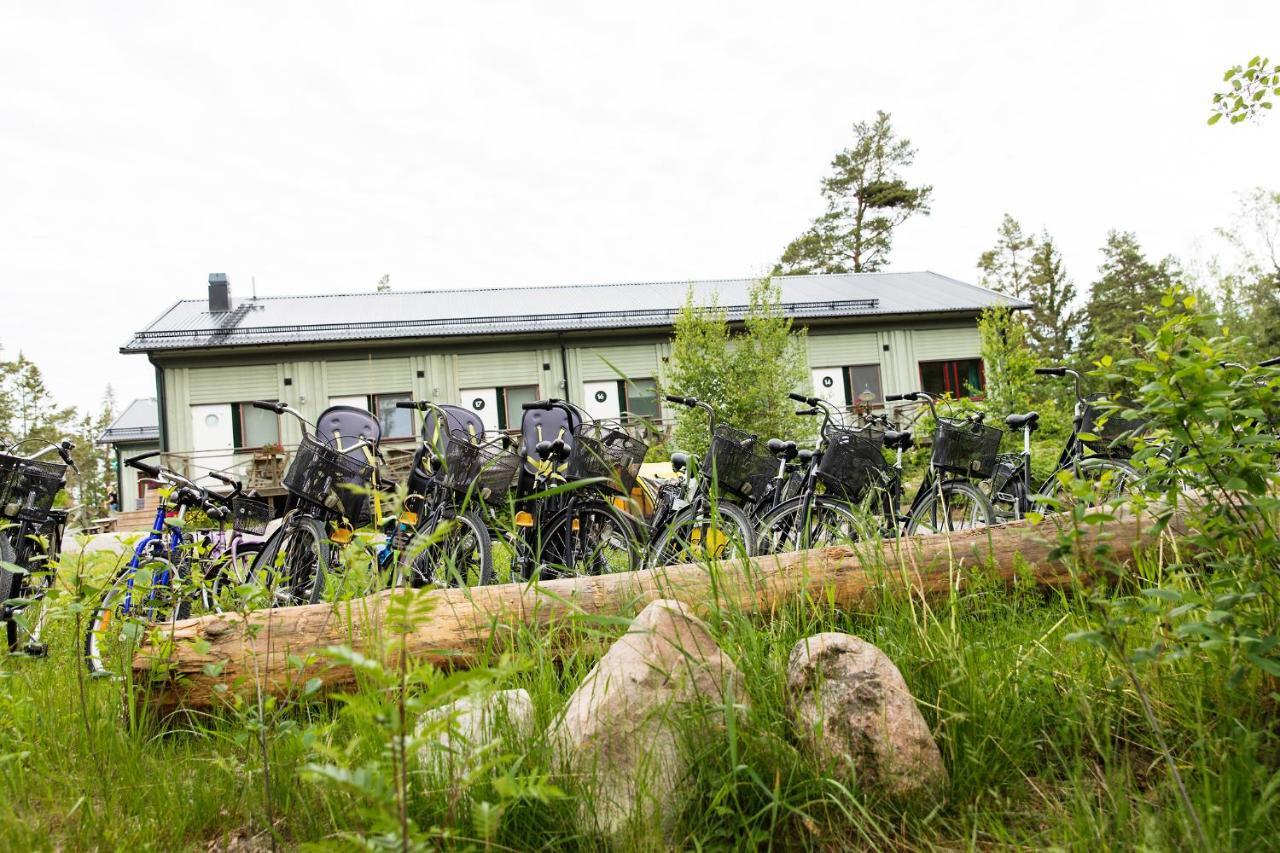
(784, 449)
(804, 456)
(679, 461)
(895, 440)
(456, 419)
(1029, 420)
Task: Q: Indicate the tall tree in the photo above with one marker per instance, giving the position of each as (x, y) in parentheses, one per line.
(1251, 287)
(1005, 267)
(745, 375)
(1251, 88)
(867, 198)
(1127, 283)
(1053, 323)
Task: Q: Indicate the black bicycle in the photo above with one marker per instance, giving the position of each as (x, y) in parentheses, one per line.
(30, 538)
(851, 492)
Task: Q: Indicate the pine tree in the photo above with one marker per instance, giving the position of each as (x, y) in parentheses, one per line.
(1127, 283)
(1005, 268)
(1053, 324)
(867, 198)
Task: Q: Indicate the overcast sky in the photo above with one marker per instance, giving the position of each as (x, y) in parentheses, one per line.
(317, 146)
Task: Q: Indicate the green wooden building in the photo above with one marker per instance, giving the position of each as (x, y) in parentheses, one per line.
(604, 347)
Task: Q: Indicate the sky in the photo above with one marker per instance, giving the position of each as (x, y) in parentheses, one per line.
(314, 147)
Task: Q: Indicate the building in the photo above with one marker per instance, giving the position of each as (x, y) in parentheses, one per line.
(868, 335)
(135, 432)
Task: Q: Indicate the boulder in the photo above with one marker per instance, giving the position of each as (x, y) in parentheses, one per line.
(856, 716)
(623, 733)
(456, 734)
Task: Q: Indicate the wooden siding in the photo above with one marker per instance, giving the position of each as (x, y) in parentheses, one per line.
(842, 350)
(232, 384)
(368, 376)
(494, 369)
(633, 362)
(940, 344)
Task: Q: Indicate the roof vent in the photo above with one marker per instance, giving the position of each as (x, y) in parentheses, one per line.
(219, 293)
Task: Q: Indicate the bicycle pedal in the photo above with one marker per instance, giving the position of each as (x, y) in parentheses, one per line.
(36, 650)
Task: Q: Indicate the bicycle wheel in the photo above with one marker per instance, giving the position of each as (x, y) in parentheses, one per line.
(231, 572)
(796, 525)
(6, 577)
(293, 563)
(722, 532)
(591, 537)
(951, 507)
(1110, 479)
(457, 553)
(148, 596)
(25, 621)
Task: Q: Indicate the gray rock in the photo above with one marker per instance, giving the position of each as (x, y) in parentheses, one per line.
(856, 716)
(622, 734)
(456, 734)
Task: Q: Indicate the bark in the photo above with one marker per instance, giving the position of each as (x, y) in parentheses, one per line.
(277, 651)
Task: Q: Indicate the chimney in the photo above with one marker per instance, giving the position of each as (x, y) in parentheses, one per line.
(219, 293)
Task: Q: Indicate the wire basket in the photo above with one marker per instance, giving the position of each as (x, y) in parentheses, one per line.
(1115, 434)
(8, 466)
(737, 463)
(1007, 469)
(30, 487)
(852, 461)
(330, 480)
(602, 451)
(250, 516)
(499, 472)
(459, 464)
(966, 447)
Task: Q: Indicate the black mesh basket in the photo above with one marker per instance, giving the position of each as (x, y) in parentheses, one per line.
(964, 447)
(603, 451)
(499, 472)
(1007, 469)
(852, 461)
(330, 480)
(737, 462)
(459, 465)
(30, 489)
(250, 516)
(8, 467)
(1116, 435)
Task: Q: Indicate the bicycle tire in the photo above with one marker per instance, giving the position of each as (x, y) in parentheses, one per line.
(776, 532)
(562, 551)
(948, 495)
(422, 559)
(1054, 494)
(293, 563)
(677, 542)
(7, 555)
(171, 606)
(246, 556)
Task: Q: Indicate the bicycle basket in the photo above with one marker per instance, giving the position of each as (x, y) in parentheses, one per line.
(737, 463)
(966, 447)
(852, 461)
(8, 466)
(499, 471)
(30, 488)
(250, 516)
(1007, 468)
(459, 465)
(603, 451)
(1115, 434)
(330, 480)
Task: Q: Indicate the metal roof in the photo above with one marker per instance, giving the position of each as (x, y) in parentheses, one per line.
(140, 421)
(522, 310)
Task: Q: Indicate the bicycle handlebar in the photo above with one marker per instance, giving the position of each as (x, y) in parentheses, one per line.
(1051, 371)
(151, 471)
(808, 412)
(800, 398)
(540, 405)
(1271, 362)
(271, 406)
(682, 401)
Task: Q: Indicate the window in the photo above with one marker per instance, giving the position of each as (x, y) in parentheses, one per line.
(641, 397)
(864, 385)
(395, 423)
(513, 399)
(959, 378)
(254, 427)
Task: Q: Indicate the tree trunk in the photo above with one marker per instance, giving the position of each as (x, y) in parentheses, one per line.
(276, 651)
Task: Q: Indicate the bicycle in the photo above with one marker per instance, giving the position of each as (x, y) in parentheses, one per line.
(862, 494)
(563, 523)
(33, 539)
(441, 536)
(1097, 451)
(692, 521)
(172, 568)
(333, 489)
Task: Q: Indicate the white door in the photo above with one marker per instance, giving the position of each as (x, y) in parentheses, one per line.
(361, 402)
(828, 383)
(212, 438)
(484, 402)
(600, 399)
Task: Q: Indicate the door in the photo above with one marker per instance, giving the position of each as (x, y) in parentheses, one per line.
(484, 402)
(212, 438)
(600, 399)
(360, 402)
(828, 384)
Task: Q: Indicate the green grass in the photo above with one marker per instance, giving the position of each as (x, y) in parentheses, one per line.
(1044, 739)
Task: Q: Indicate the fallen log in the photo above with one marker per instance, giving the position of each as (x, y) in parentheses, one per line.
(199, 662)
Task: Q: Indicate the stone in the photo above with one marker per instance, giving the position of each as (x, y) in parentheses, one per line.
(456, 734)
(622, 734)
(855, 716)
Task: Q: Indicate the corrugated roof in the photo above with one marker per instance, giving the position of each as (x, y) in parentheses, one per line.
(514, 310)
(140, 421)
